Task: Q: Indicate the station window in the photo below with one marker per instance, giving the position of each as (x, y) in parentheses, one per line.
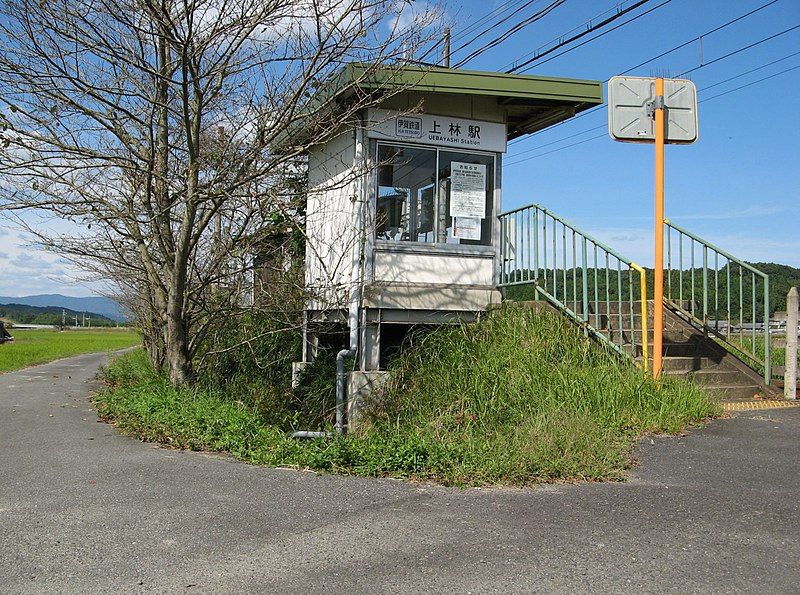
(434, 195)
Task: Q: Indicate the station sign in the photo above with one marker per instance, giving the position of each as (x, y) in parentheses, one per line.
(435, 130)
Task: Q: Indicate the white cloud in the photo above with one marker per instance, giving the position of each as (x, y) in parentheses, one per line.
(24, 270)
(409, 15)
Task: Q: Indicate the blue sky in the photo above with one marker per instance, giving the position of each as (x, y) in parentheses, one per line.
(737, 186)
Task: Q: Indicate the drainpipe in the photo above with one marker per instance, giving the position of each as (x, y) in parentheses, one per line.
(341, 388)
(309, 434)
(354, 298)
(355, 277)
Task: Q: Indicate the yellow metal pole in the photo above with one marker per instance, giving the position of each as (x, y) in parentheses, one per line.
(643, 304)
(658, 277)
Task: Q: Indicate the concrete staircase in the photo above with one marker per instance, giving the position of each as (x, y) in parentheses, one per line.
(687, 351)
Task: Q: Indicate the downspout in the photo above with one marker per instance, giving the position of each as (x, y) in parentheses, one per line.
(354, 297)
(355, 277)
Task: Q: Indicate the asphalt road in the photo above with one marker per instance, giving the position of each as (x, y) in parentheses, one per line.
(83, 509)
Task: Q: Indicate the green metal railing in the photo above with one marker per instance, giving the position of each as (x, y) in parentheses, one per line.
(594, 285)
(726, 296)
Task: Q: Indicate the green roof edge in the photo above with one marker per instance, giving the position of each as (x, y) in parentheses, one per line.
(473, 82)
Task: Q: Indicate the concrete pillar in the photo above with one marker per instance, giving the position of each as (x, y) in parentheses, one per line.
(361, 387)
(790, 375)
(371, 352)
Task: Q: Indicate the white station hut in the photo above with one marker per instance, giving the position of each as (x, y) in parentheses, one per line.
(402, 225)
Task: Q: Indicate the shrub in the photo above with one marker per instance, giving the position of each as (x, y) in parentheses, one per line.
(518, 398)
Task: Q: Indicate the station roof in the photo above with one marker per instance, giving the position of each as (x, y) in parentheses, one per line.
(532, 102)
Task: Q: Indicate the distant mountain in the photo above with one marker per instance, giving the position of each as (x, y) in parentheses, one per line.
(53, 315)
(97, 305)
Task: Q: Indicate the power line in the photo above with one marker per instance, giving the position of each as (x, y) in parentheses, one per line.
(580, 142)
(752, 70)
(535, 58)
(598, 36)
(747, 47)
(703, 100)
(750, 84)
(661, 55)
(707, 87)
(488, 29)
(555, 142)
(459, 34)
(516, 28)
(706, 34)
(590, 29)
(505, 7)
(560, 38)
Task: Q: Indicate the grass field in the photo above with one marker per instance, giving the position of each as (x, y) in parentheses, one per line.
(38, 346)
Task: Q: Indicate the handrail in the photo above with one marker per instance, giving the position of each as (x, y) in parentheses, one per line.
(577, 273)
(683, 269)
(721, 252)
(570, 226)
(643, 306)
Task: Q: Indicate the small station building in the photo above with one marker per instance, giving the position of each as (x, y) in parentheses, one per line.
(402, 225)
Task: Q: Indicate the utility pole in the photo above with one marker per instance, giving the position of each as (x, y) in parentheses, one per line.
(658, 272)
(621, 119)
(446, 51)
(63, 319)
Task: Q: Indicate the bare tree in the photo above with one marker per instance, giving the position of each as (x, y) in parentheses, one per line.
(162, 131)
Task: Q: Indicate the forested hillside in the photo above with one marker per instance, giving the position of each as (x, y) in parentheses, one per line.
(22, 314)
(566, 285)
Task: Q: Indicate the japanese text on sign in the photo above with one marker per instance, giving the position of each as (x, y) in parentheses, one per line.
(433, 129)
(467, 228)
(468, 190)
(408, 127)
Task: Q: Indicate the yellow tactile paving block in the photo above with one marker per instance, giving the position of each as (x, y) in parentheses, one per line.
(760, 404)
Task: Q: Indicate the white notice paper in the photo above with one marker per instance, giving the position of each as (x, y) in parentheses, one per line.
(467, 228)
(467, 190)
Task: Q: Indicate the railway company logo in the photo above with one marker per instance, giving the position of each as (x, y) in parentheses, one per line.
(406, 127)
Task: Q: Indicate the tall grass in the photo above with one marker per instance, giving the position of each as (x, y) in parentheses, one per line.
(777, 351)
(525, 396)
(517, 398)
(32, 347)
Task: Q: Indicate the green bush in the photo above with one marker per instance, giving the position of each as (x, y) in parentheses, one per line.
(248, 359)
(517, 398)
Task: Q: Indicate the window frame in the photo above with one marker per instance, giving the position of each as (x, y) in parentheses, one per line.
(416, 245)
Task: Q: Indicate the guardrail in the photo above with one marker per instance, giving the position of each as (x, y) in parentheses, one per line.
(590, 282)
(703, 280)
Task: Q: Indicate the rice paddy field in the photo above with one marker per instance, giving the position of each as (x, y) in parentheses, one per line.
(38, 346)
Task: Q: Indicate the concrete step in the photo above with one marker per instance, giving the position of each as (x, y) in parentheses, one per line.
(724, 393)
(683, 349)
(689, 364)
(614, 307)
(689, 349)
(713, 377)
(669, 335)
(686, 351)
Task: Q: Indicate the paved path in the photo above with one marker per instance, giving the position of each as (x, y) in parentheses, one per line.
(84, 509)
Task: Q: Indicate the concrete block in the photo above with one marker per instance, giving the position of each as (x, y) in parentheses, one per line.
(297, 368)
(361, 387)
